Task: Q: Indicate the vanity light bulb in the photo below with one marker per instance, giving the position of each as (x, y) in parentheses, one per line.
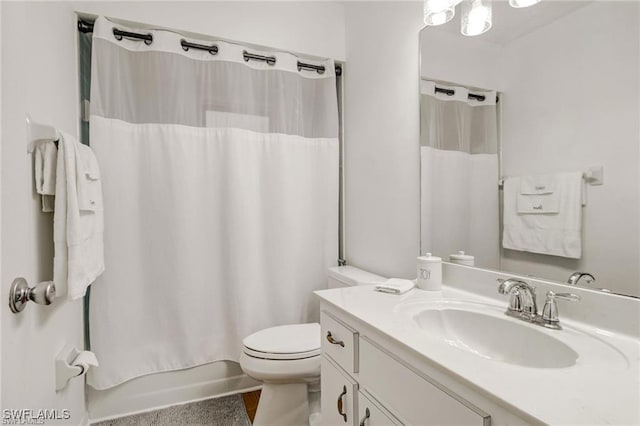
(522, 3)
(438, 12)
(476, 17)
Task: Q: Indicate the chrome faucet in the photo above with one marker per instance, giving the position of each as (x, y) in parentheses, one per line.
(522, 303)
(522, 298)
(574, 278)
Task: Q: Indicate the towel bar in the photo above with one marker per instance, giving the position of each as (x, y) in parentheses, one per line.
(593, 176)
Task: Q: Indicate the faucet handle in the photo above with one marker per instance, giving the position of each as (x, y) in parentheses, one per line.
(550, 317)
(564, 296)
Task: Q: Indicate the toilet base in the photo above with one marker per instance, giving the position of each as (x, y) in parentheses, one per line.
(283, 404)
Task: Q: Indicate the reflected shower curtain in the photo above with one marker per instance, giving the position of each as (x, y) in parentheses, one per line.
(220, 181)
(459, 174)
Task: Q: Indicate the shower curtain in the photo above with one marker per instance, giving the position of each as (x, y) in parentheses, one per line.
(459, 174)
(220, 178)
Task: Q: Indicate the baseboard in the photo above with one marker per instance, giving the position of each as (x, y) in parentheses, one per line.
(164, 390)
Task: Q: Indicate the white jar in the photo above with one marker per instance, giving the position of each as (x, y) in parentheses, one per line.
(429, 272)
(462, 259)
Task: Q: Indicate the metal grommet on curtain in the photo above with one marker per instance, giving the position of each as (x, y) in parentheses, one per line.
(186, 45)
(120, 34)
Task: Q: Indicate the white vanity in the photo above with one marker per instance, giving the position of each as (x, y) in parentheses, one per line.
(454, 358)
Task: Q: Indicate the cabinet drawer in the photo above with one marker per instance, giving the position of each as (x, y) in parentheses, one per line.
(370, 413)
(340, 342)
(338, 397)
(403, 390)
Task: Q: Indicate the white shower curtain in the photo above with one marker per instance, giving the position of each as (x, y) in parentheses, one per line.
(459, 174)
(220, 181)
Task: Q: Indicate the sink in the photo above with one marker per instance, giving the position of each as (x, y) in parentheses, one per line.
(494, 337)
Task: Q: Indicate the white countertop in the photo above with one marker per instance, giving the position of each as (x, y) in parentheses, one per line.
(603, 387)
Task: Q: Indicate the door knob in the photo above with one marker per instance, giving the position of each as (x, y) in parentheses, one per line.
(20, 293)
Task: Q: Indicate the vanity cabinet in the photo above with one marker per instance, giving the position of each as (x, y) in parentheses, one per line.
(360, 376)
(339, 395)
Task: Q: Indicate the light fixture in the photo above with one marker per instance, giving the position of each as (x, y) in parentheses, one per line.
(438, 12)
(476, 14)
(522, 3)
(476, 17)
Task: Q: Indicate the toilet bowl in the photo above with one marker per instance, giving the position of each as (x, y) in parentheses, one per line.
(287, 360)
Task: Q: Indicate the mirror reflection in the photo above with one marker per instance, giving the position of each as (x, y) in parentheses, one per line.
(529, 143)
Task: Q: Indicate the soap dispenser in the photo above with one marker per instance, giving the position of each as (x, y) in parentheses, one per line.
(429, 272)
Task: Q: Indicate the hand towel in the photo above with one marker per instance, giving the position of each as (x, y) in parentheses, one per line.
(88, 180)
(77, 232)
(46, 157)
(536, 185)
(395, 286)
(538, 204)
(554, 234)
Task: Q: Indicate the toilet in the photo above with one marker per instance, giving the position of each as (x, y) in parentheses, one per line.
(286, 359)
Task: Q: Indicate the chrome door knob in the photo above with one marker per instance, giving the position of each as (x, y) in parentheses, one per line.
(19, 294)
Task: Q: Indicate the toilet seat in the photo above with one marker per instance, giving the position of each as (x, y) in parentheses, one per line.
(285, 342)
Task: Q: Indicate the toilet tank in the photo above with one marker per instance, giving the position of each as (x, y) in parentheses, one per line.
(345, 276)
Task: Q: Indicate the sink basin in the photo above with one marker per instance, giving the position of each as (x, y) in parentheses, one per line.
(494, 337)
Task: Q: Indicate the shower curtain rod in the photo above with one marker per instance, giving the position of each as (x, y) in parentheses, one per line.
(87, 27)
(451, 92)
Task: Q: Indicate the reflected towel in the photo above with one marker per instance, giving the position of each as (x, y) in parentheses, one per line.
(538, 204)
(536, 185)
(554, 234)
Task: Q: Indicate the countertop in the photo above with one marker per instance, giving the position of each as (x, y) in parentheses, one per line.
(602, 387)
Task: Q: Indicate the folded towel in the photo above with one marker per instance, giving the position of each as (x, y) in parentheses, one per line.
(554, 234)
(46, 157)
(77, 230)
(395, 286)
(536, 185)
(537, 204)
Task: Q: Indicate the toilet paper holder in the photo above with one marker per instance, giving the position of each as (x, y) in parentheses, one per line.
(70, 363)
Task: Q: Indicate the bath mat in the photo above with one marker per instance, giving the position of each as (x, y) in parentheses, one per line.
(225, 411)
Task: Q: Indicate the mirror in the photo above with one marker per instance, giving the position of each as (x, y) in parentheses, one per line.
(548, 100)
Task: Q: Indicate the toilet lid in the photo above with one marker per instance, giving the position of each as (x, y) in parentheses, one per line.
(294, 341)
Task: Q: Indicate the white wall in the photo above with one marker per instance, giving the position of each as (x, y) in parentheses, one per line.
(571, 101)
(381, 136)
(1, 139)
(39, 76)
(468, 61)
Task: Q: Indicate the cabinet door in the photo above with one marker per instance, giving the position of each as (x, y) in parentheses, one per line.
(410, 395)
(371, 413)
(338, 403)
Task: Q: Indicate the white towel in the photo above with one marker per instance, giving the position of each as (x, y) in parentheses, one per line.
(538, 204)
(554, 234)
(78, 219)
(45, 173)
(536, 185)
(395, 286)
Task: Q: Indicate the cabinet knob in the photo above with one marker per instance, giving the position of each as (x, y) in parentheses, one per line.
(340, 404)
(367, 414)
(333, 341)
